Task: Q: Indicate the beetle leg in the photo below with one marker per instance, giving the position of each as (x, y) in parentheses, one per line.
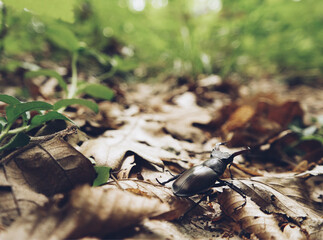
(169, 180)
(207, 193)
(235, 188)
(230, 170)
(171, 173)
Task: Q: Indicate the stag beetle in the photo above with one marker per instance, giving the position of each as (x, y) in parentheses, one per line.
(201, 178)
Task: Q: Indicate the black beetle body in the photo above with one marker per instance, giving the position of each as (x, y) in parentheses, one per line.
(195, 180)
(201, 178)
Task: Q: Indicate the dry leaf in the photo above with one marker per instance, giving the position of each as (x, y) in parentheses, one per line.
(48, 167)
(284, 194)
(177, 206)
(17, 201)
(250, 217)
(238, 119)
(42, 168)
(131, 139)
(126, 167)
(255, 123)
(180, 119)
(86, 212)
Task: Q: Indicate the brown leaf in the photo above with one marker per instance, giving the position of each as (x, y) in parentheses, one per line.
(86, 212)
(250, 217)
(180, 119)
(282, 114)
(48, 167)
(42, 168)
(17, 201)
(283, 194)
(238, 118)
(139, 137)
(255, 122)
(126, 167)
(177, 206)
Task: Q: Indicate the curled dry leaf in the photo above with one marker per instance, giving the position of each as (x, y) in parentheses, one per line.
(126, 167)
(250, 217)
(253, 125)
(285, 195)
(48, 167)
(39, 170)
(85, 212)
(177, 206)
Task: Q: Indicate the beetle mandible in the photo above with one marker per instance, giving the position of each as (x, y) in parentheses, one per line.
(201, 178)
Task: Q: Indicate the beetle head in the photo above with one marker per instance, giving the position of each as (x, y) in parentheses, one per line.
(216, 153)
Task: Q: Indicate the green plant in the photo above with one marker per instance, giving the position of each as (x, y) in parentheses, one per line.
(312, 132)
(16, 109)
(67, 40)
(103, 175)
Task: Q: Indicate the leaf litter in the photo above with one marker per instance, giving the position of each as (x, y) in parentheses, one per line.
(143, 140)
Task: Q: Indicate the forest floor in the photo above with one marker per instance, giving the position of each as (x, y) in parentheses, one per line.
(151, 130)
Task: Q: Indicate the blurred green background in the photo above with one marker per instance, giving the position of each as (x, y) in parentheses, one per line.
(144, 39)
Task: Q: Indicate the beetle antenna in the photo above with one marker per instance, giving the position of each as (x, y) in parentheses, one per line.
(239, 153)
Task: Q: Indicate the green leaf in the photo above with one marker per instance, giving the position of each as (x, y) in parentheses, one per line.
(103, 174)
(19, 140)
(15, 110)
(12, 100)
(48, 73)
(313, 137)
(58, 9)
(97, 91)
(8, 99)
(67, 102)
(40, 119)
(63, 37)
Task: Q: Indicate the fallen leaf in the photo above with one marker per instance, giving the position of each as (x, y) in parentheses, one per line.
(254, 123)
(126, 167)
(111, 149)
(180, 119)
(48, 167)
(177, 206)
(17, 201)
(238, 119)
(85, 212)
(39, 170)
(250, 217)
(289, 195)
(282, 114)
